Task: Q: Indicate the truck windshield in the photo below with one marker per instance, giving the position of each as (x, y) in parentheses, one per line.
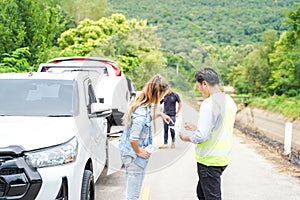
(30, 97)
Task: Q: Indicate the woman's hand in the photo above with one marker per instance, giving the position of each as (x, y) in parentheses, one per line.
(143, 153)
(167, 118)
(140, 151)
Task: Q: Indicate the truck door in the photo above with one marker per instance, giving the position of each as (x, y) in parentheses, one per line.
(114, 162)
(97, 129)
(105, 146)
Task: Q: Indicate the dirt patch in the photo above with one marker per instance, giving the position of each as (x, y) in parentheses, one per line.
(281, 162)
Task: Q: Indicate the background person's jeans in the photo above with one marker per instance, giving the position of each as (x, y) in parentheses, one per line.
(134, 178)
(166, 129)
(209, 184)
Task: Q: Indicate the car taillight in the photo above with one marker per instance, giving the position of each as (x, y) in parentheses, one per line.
(80, 59)
(117, 69)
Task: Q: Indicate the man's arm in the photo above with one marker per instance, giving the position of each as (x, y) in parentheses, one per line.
(179, 105)
(179, 108)
(204, 126)
(184, 137)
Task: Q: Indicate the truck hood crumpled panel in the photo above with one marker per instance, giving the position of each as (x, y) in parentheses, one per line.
(35, 132)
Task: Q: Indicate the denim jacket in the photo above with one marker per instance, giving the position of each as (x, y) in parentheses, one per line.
(139, 129)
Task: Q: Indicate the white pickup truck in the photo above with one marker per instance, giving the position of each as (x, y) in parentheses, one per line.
(53, 135)
(113, 89)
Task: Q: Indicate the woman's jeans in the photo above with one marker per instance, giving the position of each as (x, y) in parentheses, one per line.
(134, 178)
(209, 184)
(166, 129)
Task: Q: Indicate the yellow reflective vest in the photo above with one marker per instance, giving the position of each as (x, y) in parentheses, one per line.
(215, 150)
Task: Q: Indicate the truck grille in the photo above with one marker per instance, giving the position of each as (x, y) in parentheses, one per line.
(18, 181)
(2, 188)
(10, 172)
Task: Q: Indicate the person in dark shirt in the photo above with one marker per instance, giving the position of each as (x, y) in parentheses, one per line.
(169, 103)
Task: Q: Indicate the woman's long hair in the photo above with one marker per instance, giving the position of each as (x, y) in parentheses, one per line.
(151, 93)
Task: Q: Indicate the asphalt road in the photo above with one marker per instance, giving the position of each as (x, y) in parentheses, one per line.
(171, 174)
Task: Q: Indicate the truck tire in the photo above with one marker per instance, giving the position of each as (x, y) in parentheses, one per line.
(88, 187)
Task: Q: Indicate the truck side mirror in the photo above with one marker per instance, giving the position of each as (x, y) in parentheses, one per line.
(101, 100)
(100, 110)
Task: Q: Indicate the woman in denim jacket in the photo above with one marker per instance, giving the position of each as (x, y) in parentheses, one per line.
(137, 135)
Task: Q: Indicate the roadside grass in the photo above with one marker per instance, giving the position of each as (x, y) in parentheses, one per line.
(288, 106)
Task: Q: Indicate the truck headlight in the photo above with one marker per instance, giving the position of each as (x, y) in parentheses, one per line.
(53, 156)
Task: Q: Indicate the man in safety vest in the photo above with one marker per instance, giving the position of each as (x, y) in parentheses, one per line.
(212, 135)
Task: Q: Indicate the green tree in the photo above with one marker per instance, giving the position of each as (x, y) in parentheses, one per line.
(17, 61)
(35, 24)
(237, 75)
(13, 29)
(285, 68)
(258, 66)
(82, 9)
(90, 34)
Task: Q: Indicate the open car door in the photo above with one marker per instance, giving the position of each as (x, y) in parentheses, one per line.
(114, 162)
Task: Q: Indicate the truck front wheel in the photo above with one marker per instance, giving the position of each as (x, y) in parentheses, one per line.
(88, 187)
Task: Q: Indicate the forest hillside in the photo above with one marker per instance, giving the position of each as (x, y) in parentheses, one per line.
(187, 25)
